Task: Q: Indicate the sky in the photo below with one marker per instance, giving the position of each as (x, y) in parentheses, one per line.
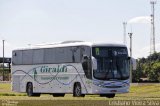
(30, 22)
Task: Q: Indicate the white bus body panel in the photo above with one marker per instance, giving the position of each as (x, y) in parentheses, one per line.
(62, 81)
(50, 78)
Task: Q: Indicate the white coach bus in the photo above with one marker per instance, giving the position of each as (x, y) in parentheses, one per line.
(71, 67)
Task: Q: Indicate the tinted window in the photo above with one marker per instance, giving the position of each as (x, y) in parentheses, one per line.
(17, 57)
(38, 56)
(27, 57)
(48, 55)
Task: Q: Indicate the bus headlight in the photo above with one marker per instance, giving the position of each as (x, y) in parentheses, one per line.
(125, 85)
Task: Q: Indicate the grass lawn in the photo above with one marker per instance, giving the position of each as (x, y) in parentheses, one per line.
(137, 92)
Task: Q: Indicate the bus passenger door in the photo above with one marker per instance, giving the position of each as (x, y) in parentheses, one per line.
(86, 65)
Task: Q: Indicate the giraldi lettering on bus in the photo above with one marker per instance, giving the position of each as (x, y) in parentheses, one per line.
(46, 69)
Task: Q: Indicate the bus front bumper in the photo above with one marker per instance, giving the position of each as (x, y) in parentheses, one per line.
(109, 90)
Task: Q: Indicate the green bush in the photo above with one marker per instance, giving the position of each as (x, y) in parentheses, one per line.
(148, 67)
(154, 73)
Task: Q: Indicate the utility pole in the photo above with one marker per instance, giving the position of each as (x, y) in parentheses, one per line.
(152, 40)
(124, 33)
(130, 36)
(3, 60)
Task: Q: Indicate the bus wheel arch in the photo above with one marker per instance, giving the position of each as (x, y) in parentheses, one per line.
(77, 90)
(29, 90)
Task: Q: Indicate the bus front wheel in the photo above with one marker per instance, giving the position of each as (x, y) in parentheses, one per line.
(77, 92)
(110, 95)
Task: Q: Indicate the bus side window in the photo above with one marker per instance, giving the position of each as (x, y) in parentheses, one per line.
(17, 57)
(27, 56)
(76, 54)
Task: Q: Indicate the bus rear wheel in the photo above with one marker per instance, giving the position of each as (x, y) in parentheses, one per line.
(29, 90)
(77, 92)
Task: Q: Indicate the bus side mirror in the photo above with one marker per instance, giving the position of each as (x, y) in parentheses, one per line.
(85, 57)
(94, 63)
(134, 64)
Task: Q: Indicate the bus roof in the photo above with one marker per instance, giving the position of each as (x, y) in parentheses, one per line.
(107, 45)
(71, 43)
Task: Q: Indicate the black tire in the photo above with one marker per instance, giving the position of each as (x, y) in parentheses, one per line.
(110, 95)
(58, 94)
(77, 92)
(102, 95)
(29, 90)
(37, 94)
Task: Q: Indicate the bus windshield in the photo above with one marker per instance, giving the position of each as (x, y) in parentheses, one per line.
(112, 63)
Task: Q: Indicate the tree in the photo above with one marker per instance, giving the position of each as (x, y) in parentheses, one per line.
(154, 73)
(148, 67)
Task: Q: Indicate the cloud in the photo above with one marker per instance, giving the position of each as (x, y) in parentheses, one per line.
(141, 19)
(144, 52)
